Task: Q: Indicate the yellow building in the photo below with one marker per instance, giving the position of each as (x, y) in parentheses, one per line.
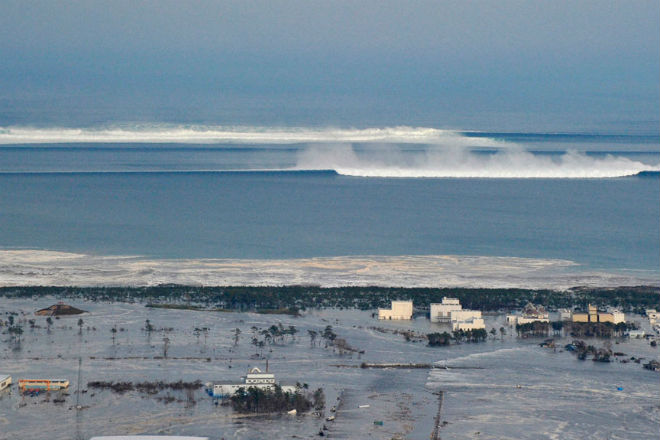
(593, 315)
(613, 316)
(399, 310)
(580, 317)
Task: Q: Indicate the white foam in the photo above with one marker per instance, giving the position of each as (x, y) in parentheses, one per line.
(201, 134)
(485, 354)
(449, 161)
(446, 153)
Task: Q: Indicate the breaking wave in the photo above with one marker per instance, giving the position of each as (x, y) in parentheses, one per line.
(201, 134)
(387, 152)
(449, 161)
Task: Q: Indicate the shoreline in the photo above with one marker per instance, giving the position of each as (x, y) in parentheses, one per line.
(54, 268)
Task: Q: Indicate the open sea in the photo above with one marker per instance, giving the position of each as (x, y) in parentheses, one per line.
(196, 192)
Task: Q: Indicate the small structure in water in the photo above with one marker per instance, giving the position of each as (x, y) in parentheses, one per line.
(59, 309)
(5, 381)
(42, 384)
(255, 378)
(636, 334)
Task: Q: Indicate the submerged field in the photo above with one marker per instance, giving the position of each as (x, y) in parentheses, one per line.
(503, 388)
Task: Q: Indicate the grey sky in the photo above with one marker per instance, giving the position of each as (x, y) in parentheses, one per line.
(428, 58)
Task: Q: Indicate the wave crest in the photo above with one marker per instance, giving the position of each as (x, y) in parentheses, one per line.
(383, 152)
(200, 134)
(453, 162)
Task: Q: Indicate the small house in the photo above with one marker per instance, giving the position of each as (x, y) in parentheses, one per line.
(5, 381)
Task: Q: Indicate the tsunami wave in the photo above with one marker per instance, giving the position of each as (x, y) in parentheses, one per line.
(322, 172)
(368, 152)
(511, 162)
(205, 134)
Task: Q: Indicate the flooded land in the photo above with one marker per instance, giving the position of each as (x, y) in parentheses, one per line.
(505, 387)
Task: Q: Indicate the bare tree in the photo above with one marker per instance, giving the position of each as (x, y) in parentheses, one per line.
(166, 345)
(312, 337)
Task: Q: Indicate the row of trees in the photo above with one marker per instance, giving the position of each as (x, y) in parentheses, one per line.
(268, 400)
(365, 298)
(575, 329)
(599, 329)
(457, 336)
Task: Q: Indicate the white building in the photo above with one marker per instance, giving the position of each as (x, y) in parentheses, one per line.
(441, 312)
(468, 324)
(399, 310)
(652, 314)
(464, 315)
(255, 378)
(529, 314)
(450, 310)
(636, 334)
(565, 314)
(5, 381)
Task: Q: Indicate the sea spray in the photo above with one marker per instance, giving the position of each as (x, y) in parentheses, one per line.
(451, 161)
(209, 134)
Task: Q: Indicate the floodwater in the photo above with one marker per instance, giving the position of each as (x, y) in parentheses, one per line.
(503, 388)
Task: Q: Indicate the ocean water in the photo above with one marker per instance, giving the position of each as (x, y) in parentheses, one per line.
(263, 193)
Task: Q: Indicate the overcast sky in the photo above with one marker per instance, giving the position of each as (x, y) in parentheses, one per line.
(480, 64)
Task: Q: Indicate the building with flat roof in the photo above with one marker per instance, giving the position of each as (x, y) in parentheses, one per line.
(400, 310)
(464, 315)
(468, 324)
(5, 381)
(565, 314)
(441, 312)
(256, 379)
(593, 315)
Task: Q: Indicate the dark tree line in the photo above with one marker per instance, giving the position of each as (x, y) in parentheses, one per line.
(457, 336)
(598, 329)
(293, 298)
(268, 400)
